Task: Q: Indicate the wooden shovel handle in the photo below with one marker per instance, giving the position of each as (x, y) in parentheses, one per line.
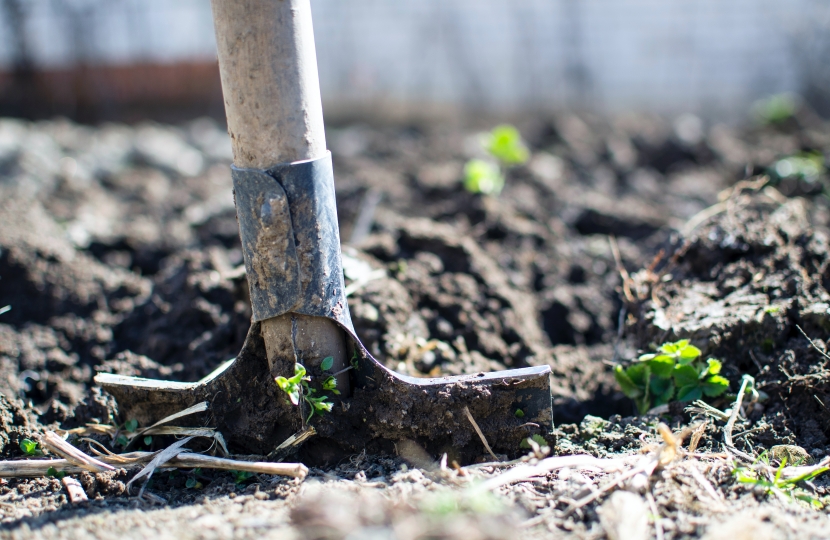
(268, 66)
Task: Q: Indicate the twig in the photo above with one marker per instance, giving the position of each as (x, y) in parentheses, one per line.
(620, 332)
(480, 434)
(33, 468)
(199, 407)
(292, 442)
(803, 333)
(626, 277)
(706, 485)
(647, 467)
(730, 424)
(523, 472)
(74, 489)
(701, 217)
(160, 458)
(658, 527)
(53, 442)
(697, 434)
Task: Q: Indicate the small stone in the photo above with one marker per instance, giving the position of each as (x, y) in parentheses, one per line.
(795, 455)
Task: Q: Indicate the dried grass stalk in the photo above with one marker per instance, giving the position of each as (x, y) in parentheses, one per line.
(55, 444)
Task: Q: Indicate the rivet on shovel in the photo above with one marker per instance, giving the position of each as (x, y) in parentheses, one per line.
(285, 203)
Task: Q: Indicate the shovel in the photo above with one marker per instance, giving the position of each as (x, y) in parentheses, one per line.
(284, 194)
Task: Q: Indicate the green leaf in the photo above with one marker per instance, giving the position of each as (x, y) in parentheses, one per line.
(714, 366)
(122, 440)
(191, 483)
(672, 348)
(519, 413)
(324, 406)
(689, 393)
(327, 362)
(662, 365)
(690, 352)
(626, 384)
(131, 425)
(29, 447)
(51, 471)
(686, 376)
(645, 357)
(299, 373)
(715, 386)
(483, 177)
(330, 383)
(148, 440)
(662, 389)
(505, 144)
(639, 374)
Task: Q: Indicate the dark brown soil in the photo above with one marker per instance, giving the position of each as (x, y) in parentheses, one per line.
(118, 254)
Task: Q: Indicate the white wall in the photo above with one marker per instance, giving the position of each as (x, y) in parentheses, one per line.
(708, 56)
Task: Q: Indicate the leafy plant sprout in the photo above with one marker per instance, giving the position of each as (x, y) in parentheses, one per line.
(505, 146)
(30, 448)
(674, 372)
(299, 390)
(776, 484)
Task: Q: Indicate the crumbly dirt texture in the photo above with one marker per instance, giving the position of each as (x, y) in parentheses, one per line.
(119, 252)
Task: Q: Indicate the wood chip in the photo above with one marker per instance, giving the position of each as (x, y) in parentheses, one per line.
(75, 490)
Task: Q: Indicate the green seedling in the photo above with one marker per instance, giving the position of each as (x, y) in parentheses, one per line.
(148, 440)
(538, 439)
(30, 448)
(807, 166)
(519, 413)
(297, 388)
(54, 473)
(354, 362)
(130, 426)
(785, 488)
(776, 109)
(240, 477)
(504, 144)
(483, 177)
(674, 372)
(192, 482)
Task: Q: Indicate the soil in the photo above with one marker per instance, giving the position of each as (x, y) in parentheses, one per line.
(119, 252)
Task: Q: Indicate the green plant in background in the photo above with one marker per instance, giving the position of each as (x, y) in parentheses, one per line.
(674, 372)
(30, 448)
(192, 481)
(776, 109)
(297, 387)
(785, 488)
(504, 144)
(240, 477)
(54, 473)
(483, 177)
(807, 166)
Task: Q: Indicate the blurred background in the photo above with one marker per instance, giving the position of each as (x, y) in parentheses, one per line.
(94, 60)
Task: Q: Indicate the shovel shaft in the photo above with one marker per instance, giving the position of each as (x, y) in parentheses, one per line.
(268, 66)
